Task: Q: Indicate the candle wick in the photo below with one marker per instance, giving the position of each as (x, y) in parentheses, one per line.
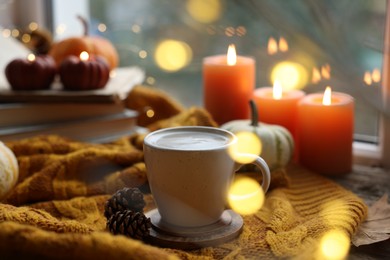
(254, 114)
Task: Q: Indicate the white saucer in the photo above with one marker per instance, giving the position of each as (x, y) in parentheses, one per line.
(165, 235)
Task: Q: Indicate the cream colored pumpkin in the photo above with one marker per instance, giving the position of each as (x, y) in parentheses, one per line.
(9, 170)
(277, 142)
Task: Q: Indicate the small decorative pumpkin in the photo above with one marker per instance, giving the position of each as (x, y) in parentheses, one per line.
(84, 72)
(277, 142)
(33, 73)
(94, 45)
(9, 170)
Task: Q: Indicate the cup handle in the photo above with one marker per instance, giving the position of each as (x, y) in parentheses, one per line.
(262, 165)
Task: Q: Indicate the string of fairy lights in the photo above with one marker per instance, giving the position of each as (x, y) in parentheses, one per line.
(184, 55)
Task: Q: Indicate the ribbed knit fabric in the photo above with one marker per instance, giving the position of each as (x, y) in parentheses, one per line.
(299, 216)
(292, 221)
(290, 224)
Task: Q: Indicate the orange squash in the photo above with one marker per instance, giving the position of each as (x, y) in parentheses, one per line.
(94, 45)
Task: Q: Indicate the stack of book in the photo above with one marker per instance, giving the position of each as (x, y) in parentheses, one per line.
(91, 116)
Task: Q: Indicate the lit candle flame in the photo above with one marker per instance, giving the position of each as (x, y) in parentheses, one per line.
(283, 45)
(31, 57)
(231, 55)
(84, 56)
(327, 98)
(272, 46)
(277, 91)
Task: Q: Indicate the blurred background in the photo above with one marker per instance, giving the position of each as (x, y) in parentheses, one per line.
(306, 44)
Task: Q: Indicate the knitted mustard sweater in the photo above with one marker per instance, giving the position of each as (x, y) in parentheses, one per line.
(56, 209)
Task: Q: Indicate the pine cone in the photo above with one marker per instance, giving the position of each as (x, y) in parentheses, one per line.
(125, 199)
(129, 223)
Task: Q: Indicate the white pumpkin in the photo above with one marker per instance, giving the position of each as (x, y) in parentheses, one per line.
(277, 142)
(9, 170)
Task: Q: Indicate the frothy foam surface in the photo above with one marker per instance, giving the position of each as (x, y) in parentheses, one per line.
(188, 140)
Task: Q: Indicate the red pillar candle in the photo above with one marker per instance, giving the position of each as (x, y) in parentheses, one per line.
(228, 85)
(325, 132)
(278, 107)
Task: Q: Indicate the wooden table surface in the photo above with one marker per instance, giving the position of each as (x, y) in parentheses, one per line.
(370, 184)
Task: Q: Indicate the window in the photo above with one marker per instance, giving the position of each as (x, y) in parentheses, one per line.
(330, 42)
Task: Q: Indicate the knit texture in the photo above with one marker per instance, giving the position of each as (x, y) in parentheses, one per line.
(56, 211)
(292, 221)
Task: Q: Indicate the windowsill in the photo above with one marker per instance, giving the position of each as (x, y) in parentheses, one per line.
(366, 154)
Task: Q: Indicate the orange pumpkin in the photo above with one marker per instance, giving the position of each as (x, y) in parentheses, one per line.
(94, 45)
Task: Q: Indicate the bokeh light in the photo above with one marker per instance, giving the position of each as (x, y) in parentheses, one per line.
(246, 196)
(272, 46)
(376, 75)
(102, 27)
(204, 11)
(31, 57)
(150, 80)
(211, 30)
(143, 54)
(84, 56)
(33, 26)
(283, 45)
(230, 31)
(150, 113)
(26, 38)
(325, 71)
(113, 74)
(334, 245)
(367, 78)
(15, 33)
(6, 33)
(290, 74)
(136, 28)
(247, 143)
(241, 30)
(172, 55)
(61, 28)
(316, 76)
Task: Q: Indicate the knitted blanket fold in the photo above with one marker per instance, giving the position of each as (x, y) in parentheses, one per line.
(56, 210)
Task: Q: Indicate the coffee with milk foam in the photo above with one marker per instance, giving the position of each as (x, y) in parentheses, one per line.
(189, 140)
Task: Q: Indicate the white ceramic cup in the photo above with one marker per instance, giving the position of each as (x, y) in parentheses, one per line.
(190, 171)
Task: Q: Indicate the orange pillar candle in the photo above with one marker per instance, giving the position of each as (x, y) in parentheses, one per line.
(325, 132)
(278, 107)
(228, 85)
